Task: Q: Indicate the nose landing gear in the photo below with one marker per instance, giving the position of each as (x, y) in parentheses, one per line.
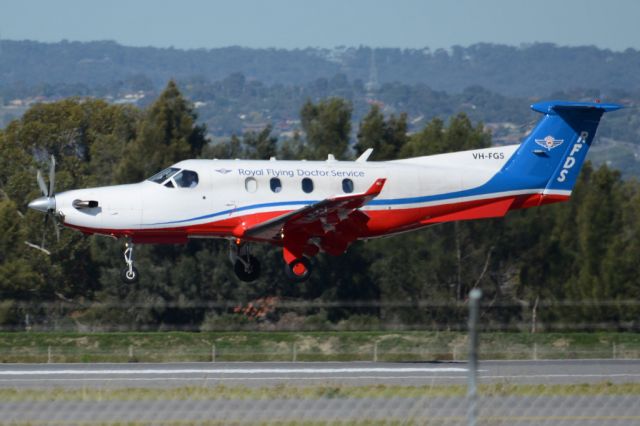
(245, 265)
(129, 275)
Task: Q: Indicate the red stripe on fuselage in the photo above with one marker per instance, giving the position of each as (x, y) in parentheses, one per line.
(382, 221)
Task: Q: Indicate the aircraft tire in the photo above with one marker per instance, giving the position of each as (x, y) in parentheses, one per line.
(289, 270)
(129, 278)
(247, 274)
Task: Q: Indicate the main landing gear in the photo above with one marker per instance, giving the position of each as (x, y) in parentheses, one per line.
(298, 270)
(245, 265)
(129, 275)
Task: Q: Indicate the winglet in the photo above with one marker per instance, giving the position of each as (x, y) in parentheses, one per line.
(364, 156)
(376, 188)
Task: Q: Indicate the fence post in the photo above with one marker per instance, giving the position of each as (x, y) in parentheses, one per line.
(295, 352)
(614, 354)
(213, 353)
(474, 307)
(375, 351)
(130, 352)
(49, 355)
(535, 351)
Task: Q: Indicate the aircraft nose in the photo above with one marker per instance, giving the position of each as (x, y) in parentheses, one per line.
(43, 204)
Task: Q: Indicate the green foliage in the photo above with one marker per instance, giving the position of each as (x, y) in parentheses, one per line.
(460, 135)
(327, 126)
(168, 133)
(386, 137)
(257, 146)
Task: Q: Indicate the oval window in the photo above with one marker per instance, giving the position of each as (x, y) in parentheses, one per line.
(251, 184)
(276, 184)
(347, 185)
(307, 185)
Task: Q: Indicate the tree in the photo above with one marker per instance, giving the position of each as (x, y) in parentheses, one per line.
(257, 146)
(435, 139)
(386, 137)
(327, 126)
(167, 134)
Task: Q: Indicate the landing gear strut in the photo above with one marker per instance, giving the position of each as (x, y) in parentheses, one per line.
(129, 275)
(246, 266)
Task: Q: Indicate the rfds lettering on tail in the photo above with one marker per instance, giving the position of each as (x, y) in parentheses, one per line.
(571, 160)
(311, 207)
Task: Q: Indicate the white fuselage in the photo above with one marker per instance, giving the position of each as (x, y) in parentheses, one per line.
(232, 192)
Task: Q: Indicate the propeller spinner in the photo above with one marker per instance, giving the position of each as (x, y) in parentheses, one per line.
(47, 203)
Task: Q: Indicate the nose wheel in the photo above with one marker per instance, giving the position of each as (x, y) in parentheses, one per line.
(129, 275)
(245, 265)
(247, 268)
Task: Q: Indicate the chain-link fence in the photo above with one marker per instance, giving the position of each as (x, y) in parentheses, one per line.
(355, 377)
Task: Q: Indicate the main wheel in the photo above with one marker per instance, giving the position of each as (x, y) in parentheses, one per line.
(129, 277)
(299, 270)
(248, 272)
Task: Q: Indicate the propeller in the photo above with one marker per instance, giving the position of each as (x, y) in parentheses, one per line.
(47, 203)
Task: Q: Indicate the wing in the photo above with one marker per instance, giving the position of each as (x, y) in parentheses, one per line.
(330, 224)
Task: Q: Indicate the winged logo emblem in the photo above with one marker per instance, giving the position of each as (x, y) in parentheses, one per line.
(223, 171)
(549, 142)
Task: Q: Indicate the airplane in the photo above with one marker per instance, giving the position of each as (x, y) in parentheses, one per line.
(308, 207)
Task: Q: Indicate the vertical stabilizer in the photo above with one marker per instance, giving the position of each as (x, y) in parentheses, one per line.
(553, 153)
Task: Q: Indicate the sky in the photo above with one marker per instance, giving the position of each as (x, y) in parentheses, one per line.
(191, 24)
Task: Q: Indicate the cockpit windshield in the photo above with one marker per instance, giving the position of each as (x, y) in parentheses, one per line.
(163, 175)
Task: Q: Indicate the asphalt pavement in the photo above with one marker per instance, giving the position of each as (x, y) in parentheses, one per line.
(617, 408)
(313, 373)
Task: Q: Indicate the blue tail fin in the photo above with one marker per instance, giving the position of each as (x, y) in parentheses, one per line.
(552, 154)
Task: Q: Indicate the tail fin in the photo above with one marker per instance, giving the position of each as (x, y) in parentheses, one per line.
(552, 154)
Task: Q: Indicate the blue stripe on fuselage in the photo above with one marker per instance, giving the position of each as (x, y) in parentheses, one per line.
(239, 209)
(496, 184)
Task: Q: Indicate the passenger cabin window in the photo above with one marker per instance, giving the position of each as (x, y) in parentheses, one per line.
(307, 185)
(251, 184)
(276, 184)
(186, 179)
(347, 185)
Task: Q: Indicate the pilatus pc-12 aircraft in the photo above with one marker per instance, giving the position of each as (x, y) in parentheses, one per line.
(307, 207)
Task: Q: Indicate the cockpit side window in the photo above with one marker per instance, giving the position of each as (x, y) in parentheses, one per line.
(163, 175)
(186, 179)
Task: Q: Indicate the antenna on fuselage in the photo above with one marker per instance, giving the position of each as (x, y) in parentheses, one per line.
(364, 156)
(331, 158)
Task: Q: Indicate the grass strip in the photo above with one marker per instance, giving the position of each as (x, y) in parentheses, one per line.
(222, 392)
(308, 346)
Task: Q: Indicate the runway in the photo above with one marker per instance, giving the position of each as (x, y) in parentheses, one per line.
(301, 373)
(40, 394)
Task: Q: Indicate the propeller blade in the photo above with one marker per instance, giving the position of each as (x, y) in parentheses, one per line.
(41, 184)
(52, 177)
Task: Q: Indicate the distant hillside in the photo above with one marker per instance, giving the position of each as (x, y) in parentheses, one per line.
(525, 71)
